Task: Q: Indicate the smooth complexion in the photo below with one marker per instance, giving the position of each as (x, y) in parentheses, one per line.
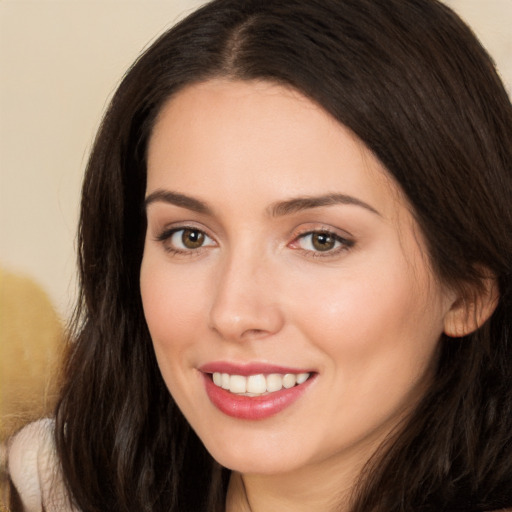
(276, 238)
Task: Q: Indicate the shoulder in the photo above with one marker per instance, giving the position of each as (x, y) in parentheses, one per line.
(34, 469)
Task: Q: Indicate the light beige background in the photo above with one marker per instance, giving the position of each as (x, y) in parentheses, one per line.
(59, 63)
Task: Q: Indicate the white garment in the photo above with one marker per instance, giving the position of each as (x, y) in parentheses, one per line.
(34, 469)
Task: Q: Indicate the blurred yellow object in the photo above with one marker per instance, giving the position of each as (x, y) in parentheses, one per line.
(31, 343)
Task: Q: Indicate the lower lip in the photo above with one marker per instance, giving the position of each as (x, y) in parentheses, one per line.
(255, 407)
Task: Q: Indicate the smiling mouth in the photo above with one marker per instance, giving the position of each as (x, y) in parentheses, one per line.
(259, 384)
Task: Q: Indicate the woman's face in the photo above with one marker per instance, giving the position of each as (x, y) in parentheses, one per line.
(285, 284)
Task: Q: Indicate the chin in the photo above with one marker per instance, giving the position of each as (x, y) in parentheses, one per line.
(257, 456)
(248, 464)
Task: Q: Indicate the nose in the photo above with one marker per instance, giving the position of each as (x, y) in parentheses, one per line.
(245, 303)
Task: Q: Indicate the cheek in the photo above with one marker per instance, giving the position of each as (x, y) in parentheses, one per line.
(378, 322)
(378, 333)
(173, 305)
(173, 302)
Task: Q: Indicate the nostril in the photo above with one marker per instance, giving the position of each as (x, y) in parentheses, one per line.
(253, 333)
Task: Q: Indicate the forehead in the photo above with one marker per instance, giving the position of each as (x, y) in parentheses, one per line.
(235, 137)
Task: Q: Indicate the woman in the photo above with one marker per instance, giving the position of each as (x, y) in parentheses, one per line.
(295, 256)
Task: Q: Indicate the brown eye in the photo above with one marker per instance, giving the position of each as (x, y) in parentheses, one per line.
(192, 238)
(185, 240)
(323, 241)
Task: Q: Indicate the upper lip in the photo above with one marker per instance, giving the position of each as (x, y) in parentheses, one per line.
(247, 369)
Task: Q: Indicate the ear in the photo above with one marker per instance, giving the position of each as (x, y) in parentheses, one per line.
(471, 308)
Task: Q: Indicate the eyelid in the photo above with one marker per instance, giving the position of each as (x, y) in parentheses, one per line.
(168, 229)
(308, 228)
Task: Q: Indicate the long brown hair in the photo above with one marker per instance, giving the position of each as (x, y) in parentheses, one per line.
(412, 82)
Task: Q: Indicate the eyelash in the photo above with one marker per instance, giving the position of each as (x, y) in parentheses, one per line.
(344, 243)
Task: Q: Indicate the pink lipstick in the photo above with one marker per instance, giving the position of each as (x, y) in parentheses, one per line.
(254, 391)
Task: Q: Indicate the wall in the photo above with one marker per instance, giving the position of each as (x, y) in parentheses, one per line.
(59, 62)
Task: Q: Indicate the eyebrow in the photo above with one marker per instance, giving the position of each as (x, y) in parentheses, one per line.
(177, 199)
(278, 209)
(299, 204)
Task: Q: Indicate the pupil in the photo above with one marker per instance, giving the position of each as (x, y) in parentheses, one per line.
(192, 239)
(323, 241)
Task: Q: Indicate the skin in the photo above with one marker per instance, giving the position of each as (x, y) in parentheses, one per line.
(365, 316)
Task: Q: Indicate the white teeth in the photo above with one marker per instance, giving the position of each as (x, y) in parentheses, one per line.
(238, 384)
(302, 377)
(289, 380)
(217, 379)
(256, 385)
(274, 382)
